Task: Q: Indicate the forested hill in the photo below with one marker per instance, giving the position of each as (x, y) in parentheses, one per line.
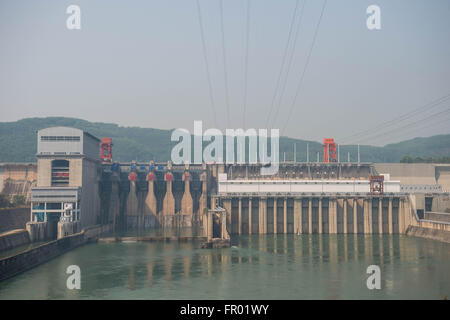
(18, 143)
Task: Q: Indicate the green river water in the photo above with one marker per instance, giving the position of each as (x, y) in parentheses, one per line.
(255, 267)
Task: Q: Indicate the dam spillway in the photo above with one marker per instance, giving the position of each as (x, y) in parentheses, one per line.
(294, 201)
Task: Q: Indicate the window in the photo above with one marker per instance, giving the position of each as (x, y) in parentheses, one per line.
(60, 172)
(59, 138)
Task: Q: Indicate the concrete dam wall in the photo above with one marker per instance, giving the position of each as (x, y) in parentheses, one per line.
(309, 215)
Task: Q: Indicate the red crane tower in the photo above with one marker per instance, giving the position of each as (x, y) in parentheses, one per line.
(106, 150)
(329, 150)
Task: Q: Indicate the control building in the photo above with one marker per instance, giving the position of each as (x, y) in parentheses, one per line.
(66, 197)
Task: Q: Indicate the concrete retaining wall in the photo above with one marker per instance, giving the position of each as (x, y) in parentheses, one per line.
(13, 239)
(28, 259)
(39, 231)
(14, 218)
(67, 228)
(428, 233)
(437, 216)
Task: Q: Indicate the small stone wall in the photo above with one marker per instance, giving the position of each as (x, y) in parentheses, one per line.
(437, 216)
(13, 239)
(428, 233)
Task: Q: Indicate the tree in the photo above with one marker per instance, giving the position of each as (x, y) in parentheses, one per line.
(407, 159)
(18, 200)
(4, 201)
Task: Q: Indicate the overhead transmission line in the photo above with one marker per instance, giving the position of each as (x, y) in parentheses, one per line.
(283, 61)
(398, 119)
(299, 86)
(205, 57)
(434, 125)
(227, 102)
(246, 61)
(405, 126)
(283, 87)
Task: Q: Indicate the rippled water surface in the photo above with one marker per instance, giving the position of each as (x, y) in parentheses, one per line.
(256, 267)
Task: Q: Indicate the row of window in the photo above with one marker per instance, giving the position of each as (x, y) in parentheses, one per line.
(60, 138)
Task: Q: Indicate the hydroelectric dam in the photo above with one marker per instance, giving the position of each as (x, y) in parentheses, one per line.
(81, 194)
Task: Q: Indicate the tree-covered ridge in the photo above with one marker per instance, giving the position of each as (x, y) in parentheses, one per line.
(18, 143)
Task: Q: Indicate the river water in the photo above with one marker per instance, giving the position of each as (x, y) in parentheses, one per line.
(255, 267)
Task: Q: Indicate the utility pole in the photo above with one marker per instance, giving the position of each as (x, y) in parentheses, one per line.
(338, 154)
(317, 157)
(358, 154)
(307, 152)
(295, 152)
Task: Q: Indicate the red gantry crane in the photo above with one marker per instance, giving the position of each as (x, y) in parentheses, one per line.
(106, 150)
(329, 150)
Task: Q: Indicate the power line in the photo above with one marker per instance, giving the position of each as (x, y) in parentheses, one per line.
(432, 124)
(283, 61)
(400, 118)
(406, 126)
(246, 60)
(305, 67)
(205, 57)
(289, 63)
(227, 102)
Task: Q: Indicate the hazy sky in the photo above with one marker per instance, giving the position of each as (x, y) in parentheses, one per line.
(140, 63)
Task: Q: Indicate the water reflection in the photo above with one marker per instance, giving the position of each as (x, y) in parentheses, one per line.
(256, 267)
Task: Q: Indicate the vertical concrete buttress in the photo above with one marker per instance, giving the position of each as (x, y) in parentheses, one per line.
(203, 201)
(390, 221)
(275, 209)
(187, 204)
(298, 216)
(114, 203)
(250, 216)
(380, 216)
(320, 216)
(240, 216)
(169, 200)
(227, 207)
(333, 216)
(310, 216)
(345, 217)
(132, 199)
(150, 199)
(262, 215)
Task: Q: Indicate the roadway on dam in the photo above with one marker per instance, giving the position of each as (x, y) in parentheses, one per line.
(255, 267)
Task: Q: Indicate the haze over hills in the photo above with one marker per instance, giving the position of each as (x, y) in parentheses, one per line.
(18, 143)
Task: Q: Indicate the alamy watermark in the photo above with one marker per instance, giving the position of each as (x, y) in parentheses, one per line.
(73, 22)
(258, 149)
(374, 280)
(373, 21)
(74, 280)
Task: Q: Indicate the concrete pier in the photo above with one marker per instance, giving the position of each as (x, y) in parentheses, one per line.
(187, 205)
(132, 210)
(169, 201)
